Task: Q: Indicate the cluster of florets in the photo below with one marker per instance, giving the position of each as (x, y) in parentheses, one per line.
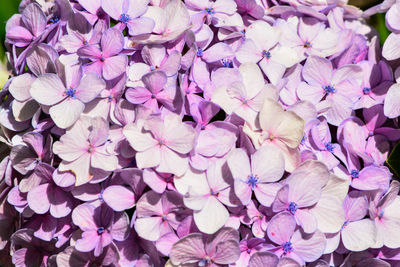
(199, 133)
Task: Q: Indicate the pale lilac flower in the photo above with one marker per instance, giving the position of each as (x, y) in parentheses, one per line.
(161, 144)
(84, 150)
(255, 175)
(336, 86)
(219, 249)
(294, 243)
(67, 101)
(129, 14)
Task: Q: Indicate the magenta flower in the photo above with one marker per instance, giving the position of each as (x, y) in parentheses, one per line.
(100, 227)
(107, 62)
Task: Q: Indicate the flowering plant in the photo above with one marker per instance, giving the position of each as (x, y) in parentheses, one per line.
(199, 133)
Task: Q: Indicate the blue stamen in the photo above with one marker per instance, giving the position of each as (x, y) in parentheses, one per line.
(54, 19)
(287, 247)
(210, 11)
(344, 225)
(329, 146)
(199, 52)
(292, 208)
(102, 59)
(354, 173)
(124, 18)
(266, 54)
(70, 93)
(100, 230)
(303, 140)
(152, 68)
(252, 180)
(366, 90)
(227, 63)
(380, 215)
(307, 44)
(110, 98)
(329, 89)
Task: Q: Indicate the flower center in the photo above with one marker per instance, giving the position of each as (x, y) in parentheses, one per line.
(85, 42)
(287, 247)
(307, 44)
(252, 180)
(210, 11)
(345, 224)
(227, 63)
(292, 207)
(199, 52)
(329, 89)
(366, 90)
(329, 146)
(266, 54)
(102, 59)
(70, 93)
(124, 18)
(54, 19)
(100, 230)
(354, 173)
(380, 215)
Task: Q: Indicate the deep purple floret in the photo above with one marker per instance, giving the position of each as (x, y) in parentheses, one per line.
(329, 146)
(366, 90)
(124, 18)
(292, 208)
(287, 247)
(252, 180)
(354, 173)
(70, 93)
(329, 89)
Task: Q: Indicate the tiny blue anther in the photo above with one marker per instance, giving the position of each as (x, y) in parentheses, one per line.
(329, 146)
(329, 89)
(101, 195)
(292, 208)
(266, 54)
(54, 19)
(344, 224)
(380, 215)
(199, 52)
(307, 45)
(252, 180)
(227, 63)
(100, 230)
(287, 247)
(70, 93)
(210, 11)
(354, 173)
(102, 59)
(124, 18)
(152, 68)
(366, 90)
(110, 98)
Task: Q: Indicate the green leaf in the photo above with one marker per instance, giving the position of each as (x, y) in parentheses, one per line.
(394, 160)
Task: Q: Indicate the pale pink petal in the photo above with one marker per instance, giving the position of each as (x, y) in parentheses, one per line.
(212, 209)
(359, 235)
(90, 86)
(172, 162)
(118, 197)
(188, 249)
(391, 47)
(112, 42)
(66, 113)
(138, 139)
(38, 199)
(114, 66)
(306, 220)
(148, 227)
(263, 259)
(272, 171)
(392, 101)
(309, 246)
(148, 158)
(281, 228)
(141, 26)
(317, 71)
(47, 89)
(83, 216)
